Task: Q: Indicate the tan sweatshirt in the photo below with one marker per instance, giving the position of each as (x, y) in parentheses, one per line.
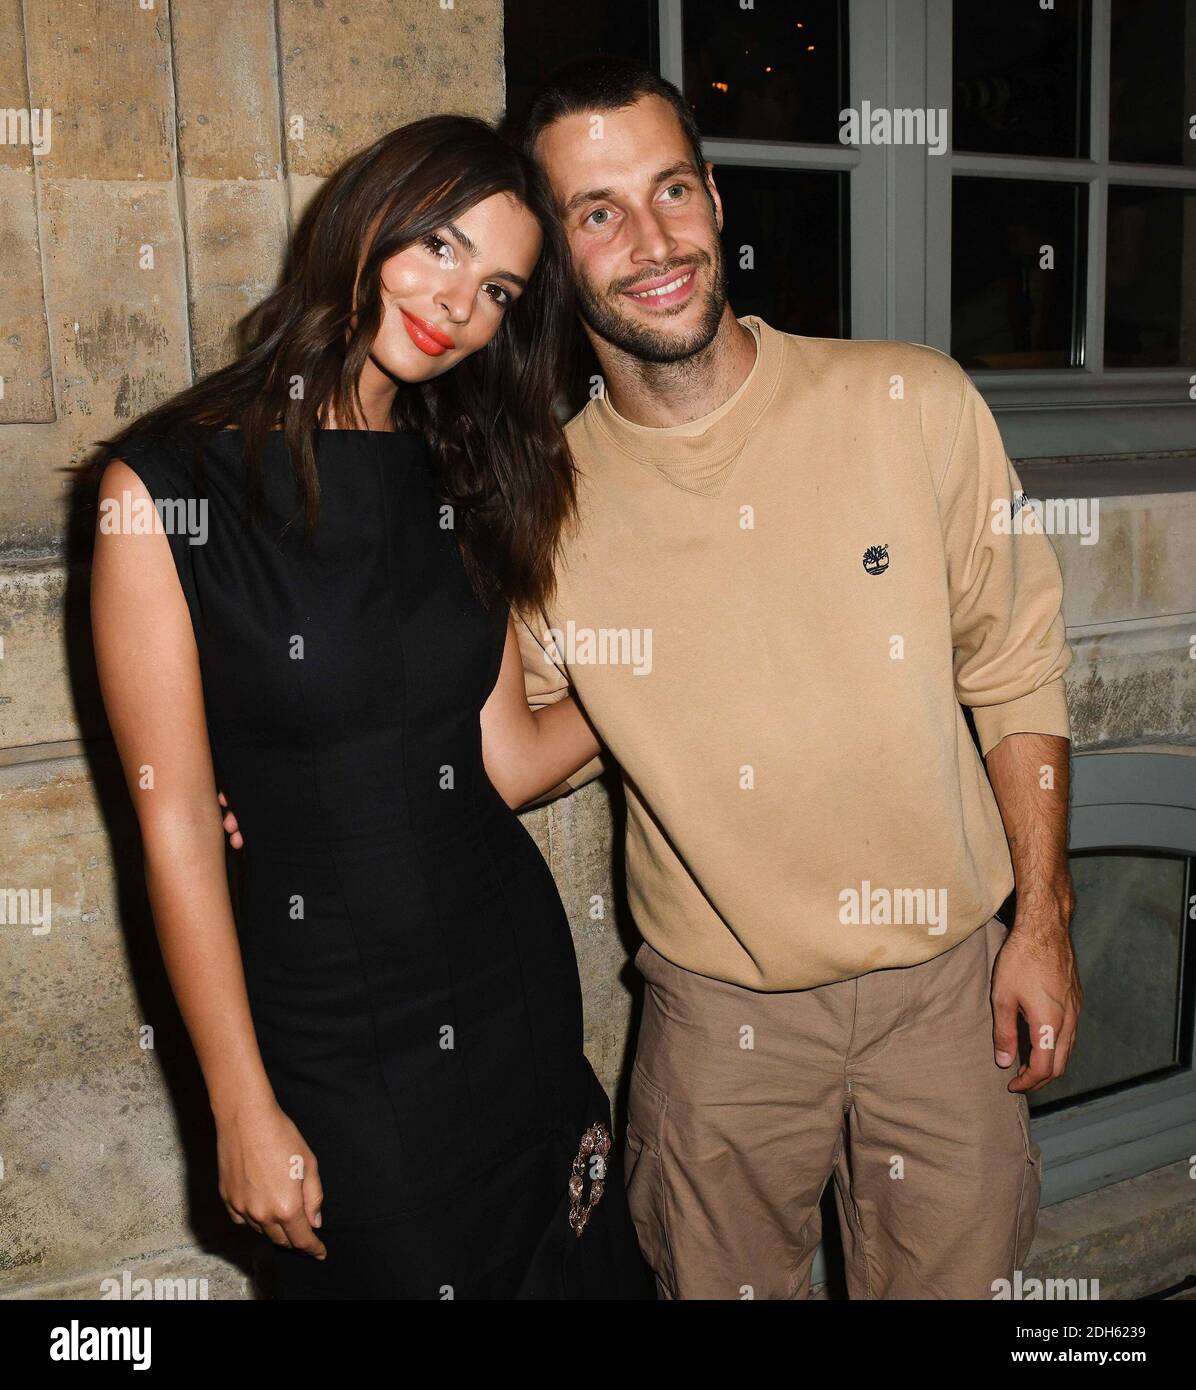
(772, 622)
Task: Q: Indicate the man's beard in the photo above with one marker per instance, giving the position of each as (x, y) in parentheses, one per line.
(642, 340)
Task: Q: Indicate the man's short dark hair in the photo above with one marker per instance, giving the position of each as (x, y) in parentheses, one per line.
(602, 82)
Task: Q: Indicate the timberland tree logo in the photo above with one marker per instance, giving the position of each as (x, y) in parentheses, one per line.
(876, 559)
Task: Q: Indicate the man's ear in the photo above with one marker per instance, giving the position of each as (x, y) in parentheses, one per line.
(714, 198)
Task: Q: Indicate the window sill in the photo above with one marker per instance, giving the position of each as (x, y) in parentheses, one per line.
(1124, 475)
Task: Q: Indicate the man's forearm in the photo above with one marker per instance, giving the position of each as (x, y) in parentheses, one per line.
(1030, 776)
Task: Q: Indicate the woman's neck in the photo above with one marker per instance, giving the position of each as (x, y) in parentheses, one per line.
(376, 392)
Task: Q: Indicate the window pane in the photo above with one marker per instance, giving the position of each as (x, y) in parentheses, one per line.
(1021, 77)
(777, 71)
(785, 241)
(1128, 933)
(1018, 252)
(542, 34)
(1152, 81)
(1150, 284)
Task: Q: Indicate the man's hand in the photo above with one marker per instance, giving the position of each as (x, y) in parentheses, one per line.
(229, 821)
(1035, 972)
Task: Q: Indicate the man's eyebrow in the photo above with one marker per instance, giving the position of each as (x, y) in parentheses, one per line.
(587, 195)
(467, 244)
(682, 166)
(597, 195)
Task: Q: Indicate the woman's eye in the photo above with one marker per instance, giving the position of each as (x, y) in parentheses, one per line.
(505, 301)
(438, 246)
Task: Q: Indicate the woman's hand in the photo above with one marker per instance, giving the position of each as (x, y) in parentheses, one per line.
(229, 821)
(269, 1178)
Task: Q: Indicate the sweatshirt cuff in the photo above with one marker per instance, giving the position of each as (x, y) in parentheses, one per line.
(1042, 711)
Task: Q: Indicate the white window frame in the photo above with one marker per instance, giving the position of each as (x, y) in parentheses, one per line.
(900, 233)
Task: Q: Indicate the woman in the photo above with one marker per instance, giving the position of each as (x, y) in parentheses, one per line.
(391, 1037)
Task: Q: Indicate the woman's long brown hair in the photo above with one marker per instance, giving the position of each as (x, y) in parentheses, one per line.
(499, 450)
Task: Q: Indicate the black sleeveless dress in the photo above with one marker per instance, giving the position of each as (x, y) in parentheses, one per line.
(410, 969)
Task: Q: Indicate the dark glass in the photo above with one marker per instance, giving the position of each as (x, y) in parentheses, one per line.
(1006, 309)
(1128, 934)
(785, 239)
(542, 34)
(1021, 77)
(1150, 261)
(775, 72)
(1152, 81)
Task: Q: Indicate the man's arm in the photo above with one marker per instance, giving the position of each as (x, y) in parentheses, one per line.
(1035, 970)
(1009, 654)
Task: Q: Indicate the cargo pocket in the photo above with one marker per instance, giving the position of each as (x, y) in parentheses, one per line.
(646, 1105)
(1031, 1189)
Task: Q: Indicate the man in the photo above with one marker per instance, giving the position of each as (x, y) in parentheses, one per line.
(797, 559)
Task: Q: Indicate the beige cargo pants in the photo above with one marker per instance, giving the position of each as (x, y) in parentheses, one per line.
(743, 1104)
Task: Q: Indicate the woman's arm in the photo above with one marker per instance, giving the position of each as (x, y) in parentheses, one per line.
(530, 752)
(149, 675)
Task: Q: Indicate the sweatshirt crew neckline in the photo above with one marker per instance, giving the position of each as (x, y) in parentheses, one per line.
(702, 462)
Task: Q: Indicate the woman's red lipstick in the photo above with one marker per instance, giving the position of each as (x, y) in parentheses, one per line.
(426, 336)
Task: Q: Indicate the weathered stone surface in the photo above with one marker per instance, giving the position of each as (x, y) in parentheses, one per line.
(226, 73)
(116, 296)
(104, 73)
(48, 687)
(1143, 562)
(118, 330)
(178, 1275)
(1136, 686)
(586, 856)
(26, 382)
(576, 834)
(15, 152)
(101, 1160)
(26, 388)
(236, 241)
(1136, 1237)
(353, 72)
(302, 188)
